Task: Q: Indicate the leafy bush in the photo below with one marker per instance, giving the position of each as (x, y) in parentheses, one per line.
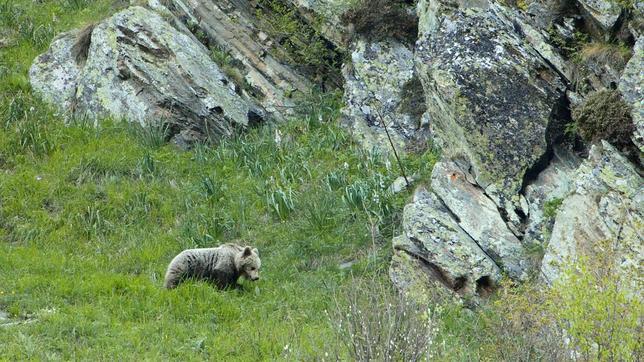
(588, 314)
(597, 311)
(383, 19)
(605, 116)
(152, 136)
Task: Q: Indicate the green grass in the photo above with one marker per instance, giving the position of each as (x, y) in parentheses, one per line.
(90, 218)
(90, 222)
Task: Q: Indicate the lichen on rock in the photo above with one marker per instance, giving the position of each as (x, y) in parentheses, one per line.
(491, 97)
(376, 91)
(446, 255)
(631, 85)
(140, 68)
(607, 204)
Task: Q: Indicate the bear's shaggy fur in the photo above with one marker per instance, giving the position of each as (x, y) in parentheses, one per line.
(221, 266)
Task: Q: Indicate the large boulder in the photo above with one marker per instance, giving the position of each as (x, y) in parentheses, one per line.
(435, 248)
(493, 100)
(381, 86)
(479, 217)
(137, 66)
(631, 85)
(607, 204)
(54, 74)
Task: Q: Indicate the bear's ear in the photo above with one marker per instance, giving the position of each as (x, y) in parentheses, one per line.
(247, 251)
(256, 251)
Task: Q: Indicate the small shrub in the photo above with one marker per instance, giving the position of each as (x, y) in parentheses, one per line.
(600, 315)
(147, 166)
(382, 19)
(376, 323)
(213, 190)
(335, 180)
(518, 326)
(587, 314)
(320, 213)
(605, 116)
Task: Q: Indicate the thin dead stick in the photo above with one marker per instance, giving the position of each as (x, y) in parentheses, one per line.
(384, 125)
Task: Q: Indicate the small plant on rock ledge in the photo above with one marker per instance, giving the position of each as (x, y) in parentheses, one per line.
(551, 207)
(382, 19)
(605, 116)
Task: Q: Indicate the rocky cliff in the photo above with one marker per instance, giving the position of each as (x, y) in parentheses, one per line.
(506, 90)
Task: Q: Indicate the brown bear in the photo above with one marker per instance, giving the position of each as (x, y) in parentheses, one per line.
(221, 266)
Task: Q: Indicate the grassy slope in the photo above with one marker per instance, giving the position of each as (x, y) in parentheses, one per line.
(89, 219)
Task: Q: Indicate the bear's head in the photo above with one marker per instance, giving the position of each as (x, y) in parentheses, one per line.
(248, 263)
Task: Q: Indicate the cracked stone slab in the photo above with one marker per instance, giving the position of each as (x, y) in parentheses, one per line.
(442, 251)
(480, 218)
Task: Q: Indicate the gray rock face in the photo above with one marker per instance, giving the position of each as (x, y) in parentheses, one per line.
(479, 217)
(327, 14)
(490, 95)
(55, 73)
(140, 68)
(631, 85)
(602, 13)
(232, 27)
(607, 204)
(552, 185)
(446, 254)
(379, 83)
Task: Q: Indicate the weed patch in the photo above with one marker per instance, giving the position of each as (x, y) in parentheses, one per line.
(605, 116)
(383, 19)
